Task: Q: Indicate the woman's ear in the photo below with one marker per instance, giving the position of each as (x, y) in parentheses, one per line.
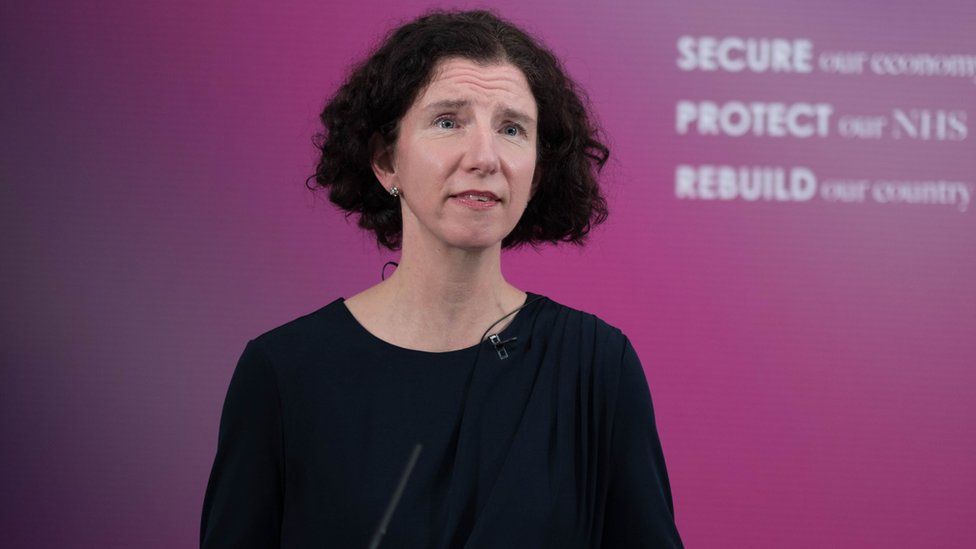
(381, 160)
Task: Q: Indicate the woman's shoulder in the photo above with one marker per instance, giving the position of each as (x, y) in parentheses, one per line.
(570, 318)
(584, 339)
(307, 333)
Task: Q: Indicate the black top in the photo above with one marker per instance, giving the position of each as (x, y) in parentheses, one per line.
(553, 446)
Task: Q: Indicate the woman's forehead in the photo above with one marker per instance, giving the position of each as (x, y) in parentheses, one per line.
(467, 83)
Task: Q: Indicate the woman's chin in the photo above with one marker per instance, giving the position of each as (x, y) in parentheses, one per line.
(475, 242)
(466, 236)
(477, 246)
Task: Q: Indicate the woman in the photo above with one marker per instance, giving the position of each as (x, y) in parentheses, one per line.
(459, 136)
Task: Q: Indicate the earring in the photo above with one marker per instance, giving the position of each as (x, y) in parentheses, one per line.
(395, 191)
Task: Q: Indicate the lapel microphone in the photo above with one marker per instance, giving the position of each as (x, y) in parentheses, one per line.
(500, 345)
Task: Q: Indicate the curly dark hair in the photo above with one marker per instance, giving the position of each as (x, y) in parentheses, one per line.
(567, 201)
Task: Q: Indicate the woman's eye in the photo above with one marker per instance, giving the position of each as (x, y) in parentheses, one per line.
(445, 123)
(513, 130)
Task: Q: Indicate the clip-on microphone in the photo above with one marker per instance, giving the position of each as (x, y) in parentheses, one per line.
(500, 345)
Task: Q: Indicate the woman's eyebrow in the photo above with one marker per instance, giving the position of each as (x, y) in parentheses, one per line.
(452, 104)
(457, 104)
(517, 115)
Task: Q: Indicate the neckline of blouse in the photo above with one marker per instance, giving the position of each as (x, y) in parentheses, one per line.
(509, 330)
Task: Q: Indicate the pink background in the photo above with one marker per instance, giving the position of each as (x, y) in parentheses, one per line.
(812, 364)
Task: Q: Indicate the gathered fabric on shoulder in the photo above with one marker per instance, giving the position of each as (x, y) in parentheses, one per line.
(553, 446)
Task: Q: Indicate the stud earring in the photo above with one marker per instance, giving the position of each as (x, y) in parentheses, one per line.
(395, 191)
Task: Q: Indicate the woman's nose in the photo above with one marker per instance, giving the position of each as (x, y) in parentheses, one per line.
(481, 154)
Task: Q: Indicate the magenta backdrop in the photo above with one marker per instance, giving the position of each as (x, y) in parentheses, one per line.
(811, 360)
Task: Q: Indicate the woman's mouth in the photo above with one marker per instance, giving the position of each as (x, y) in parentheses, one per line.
(475, 201)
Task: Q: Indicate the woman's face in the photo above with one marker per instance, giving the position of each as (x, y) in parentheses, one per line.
(472, 131)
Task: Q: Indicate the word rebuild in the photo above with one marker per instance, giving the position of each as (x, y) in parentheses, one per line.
(750, 183)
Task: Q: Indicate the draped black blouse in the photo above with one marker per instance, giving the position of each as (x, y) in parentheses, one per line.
(553, 446)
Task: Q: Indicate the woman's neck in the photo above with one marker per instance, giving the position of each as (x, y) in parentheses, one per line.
(439, 301)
